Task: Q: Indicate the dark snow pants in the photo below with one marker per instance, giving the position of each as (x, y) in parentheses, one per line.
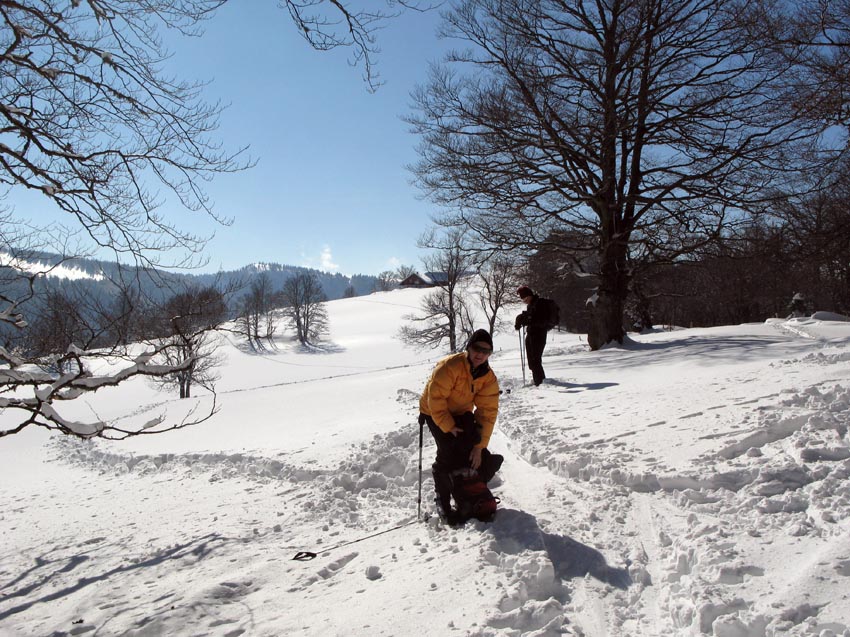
(453, 454)
(535, 343)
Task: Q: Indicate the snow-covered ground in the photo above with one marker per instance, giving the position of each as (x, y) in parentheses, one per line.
(690, 482)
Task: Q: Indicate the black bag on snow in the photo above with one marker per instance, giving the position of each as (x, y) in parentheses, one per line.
(473, 499)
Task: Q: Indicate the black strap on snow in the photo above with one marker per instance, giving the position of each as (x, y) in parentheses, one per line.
(306, 556)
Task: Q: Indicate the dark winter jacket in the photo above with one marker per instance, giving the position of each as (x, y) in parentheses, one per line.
(534, 317)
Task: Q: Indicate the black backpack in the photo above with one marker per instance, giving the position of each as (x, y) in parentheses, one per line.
(551, 313)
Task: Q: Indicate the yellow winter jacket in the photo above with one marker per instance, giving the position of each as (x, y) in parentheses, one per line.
(451, 391)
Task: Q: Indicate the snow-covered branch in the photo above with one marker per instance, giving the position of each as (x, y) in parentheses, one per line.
(35, 392)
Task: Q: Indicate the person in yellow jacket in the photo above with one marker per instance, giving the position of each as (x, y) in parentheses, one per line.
(460, 405)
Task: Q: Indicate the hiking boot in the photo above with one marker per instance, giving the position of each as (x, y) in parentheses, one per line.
(447, 514)
(454, 519)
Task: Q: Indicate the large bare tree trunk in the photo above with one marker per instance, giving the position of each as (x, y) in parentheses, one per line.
(607, 310)
(452, 318)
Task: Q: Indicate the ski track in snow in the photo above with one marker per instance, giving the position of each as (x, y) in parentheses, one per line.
(708, 524)
(582, 544)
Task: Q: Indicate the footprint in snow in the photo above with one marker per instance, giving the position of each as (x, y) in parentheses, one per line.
(843, 568)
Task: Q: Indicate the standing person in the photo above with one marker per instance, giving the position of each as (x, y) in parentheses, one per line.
(537, 318)
(460, 404)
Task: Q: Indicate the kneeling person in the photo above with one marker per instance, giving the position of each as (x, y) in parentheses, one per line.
(460, 404)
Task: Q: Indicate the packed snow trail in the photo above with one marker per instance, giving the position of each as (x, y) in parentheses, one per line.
(705, 536)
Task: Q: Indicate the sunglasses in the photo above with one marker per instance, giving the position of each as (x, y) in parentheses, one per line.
(481, 350)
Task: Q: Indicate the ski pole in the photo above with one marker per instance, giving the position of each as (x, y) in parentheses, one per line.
(521, 334)
(419, 500)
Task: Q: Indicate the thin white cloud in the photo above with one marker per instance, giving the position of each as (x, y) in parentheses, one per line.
(327, 260)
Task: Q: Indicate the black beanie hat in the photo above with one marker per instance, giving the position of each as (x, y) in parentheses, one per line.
(480, 336)
(524, 291)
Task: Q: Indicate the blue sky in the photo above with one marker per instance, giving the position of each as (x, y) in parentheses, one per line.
(330, 189)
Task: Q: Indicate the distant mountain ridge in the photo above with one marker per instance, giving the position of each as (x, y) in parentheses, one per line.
(334, 285)
(61, 271)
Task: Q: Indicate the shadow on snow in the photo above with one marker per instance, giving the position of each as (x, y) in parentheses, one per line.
(47, 570)
(572, 388)
(516, 531)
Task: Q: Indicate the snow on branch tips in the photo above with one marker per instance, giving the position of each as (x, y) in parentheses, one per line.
(31, 392)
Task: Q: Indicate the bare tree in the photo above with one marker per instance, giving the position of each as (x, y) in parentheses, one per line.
(90, 119)
(444, 314)
(649, 125)
(385, 281)
(500, 280)
(813, 36)
(189, 320)
(68, 314)
(125, 320)
(257, 319)
(404, 271)
(90, 122)
(39, 384)
(304, 305)
(815, 242)
(353, 29)
(248, 321)
(390, 279)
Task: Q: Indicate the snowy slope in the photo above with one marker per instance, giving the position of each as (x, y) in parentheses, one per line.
(60, 271)
(690, 482)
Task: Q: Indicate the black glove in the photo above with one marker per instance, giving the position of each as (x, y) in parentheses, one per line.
(422, 420)
(521, 319)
